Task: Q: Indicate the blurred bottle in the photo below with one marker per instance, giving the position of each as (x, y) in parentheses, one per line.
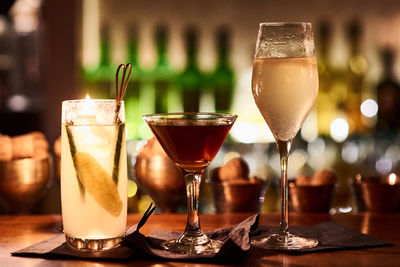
(388, 91)
(132, 94)
(6, 60)
(325, 104)
(98, 80)
(222, 79)
(355, 73)
(21, 96)
(338, 97)
(190, 80)
(105, 72)
(162, 73)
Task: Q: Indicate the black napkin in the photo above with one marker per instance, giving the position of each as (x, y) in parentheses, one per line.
(56, 248)
(236, 241)
(330, 235)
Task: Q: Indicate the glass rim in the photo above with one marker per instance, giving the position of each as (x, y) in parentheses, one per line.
(281, 23)
(90, 99)
(178, 116)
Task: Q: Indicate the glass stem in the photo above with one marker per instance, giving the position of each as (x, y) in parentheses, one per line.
(284, 149)
(192, 181)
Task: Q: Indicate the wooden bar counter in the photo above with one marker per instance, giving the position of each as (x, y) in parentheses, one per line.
(19, 231)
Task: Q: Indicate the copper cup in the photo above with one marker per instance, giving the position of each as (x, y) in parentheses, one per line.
(310, 198)
(237, 196)
(377, 194)
(159, 177)
(23, 182)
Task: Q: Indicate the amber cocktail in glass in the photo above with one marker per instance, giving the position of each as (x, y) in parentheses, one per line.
(191, 140)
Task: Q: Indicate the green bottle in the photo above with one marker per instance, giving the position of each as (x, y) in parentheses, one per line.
(132, 94)
(222, 79)
(190, 80)
(97, 78)
(162, 73)
(104, 73)
(88, 79)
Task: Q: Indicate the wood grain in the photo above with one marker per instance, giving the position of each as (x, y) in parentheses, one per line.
(17, 232)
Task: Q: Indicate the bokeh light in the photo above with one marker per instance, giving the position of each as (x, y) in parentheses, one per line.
(339, 130)
(383, 165)
(350, 152)
(369, 108)
(18, 103)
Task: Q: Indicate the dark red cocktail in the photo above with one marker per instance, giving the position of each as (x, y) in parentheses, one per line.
(191, 145)
(191, 140)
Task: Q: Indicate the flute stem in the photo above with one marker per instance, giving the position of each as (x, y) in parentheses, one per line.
(284, 148)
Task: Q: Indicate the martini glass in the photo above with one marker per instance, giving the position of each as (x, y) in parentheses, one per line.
(285, 86)
(191, 140)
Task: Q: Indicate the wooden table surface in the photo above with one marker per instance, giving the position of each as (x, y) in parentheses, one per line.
(19, 231)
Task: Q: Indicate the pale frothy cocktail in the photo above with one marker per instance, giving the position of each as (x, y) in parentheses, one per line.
(285, 90)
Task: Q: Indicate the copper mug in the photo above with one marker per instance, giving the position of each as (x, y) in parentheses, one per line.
(377, 194)
(158, 176)
(237, 195)
(310, 198)
(23, 182)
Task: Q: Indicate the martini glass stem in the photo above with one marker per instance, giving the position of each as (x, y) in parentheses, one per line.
(284, 150)
(192, 181)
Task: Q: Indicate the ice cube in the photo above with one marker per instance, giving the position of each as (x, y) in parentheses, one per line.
(100, 151)
(104, 134)
(85, 119)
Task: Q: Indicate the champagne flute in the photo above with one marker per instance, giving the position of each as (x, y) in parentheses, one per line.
(191, 140)
(285, 86)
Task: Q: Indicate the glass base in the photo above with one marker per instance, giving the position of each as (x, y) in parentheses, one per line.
(284, 242)
(187, 244)
(92, 244)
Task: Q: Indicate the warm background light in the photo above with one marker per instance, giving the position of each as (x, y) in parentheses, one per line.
(369, 108)
(339, 130)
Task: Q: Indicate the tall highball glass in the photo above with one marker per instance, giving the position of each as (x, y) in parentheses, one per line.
(93, 174)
